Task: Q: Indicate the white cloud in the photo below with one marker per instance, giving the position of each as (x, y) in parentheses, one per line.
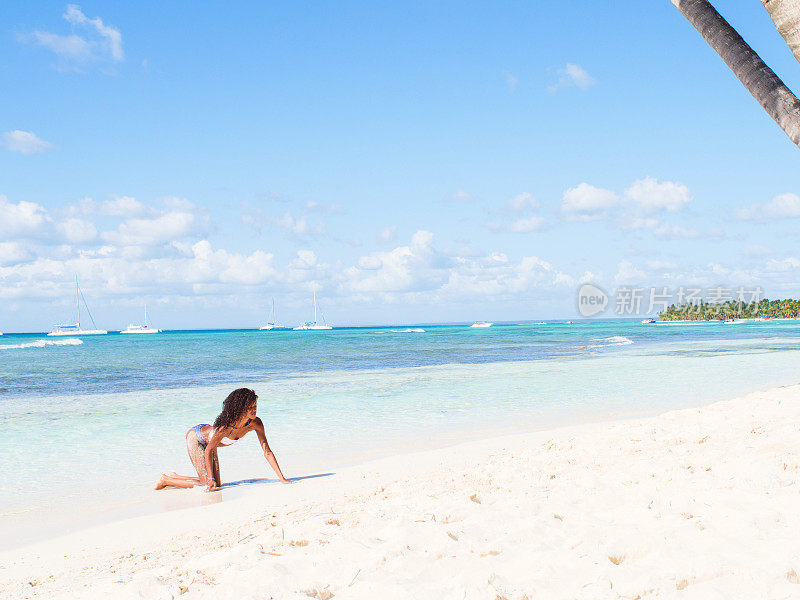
(112, 39)
(70, 47)
(387, 235)
(419, 270)
(25, 142)
(318, 207)
(77, 231)
(298, 225)
(511, 81)
(649, 196)
(101, 43)
(572, 75)
(675, 232)
(497, 276)
(636, 209)
(783, 206)
(304, 260)
(526, 224)
(518, 205)
(461, 196)
(639, 223)
(522, 202)
(24, 219)
(176, 203)
(369, 263)
(294, 225)
(13, 252)
(112, 271)
(409, 268)
(587, 203)
(209, 266)
(122, 206)
(158, 230)
(661, 265)
(757, 250)
(627, 273)
(782, 265)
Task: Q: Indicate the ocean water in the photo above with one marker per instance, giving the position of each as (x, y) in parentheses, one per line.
(90, 423)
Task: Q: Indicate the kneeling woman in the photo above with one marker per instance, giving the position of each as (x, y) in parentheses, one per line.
(238, 417)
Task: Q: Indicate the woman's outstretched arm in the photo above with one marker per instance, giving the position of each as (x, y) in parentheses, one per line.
(258, 427)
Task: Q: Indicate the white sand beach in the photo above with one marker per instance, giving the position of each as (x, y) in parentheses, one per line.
(699, 503)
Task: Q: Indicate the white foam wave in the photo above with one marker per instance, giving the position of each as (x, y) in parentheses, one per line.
(614, 340)
(43, 343)
(409, 330)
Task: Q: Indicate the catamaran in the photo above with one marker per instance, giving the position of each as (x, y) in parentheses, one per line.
(313, 324)
(75, 328)
(273, 320)
(481, 324)
(141, 328)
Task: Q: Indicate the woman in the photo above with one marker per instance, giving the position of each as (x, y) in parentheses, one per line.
(238, 416)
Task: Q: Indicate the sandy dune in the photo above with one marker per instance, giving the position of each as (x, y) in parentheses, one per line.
(701, 503)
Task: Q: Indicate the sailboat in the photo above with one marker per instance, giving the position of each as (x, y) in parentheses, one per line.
(481, 324)
(75, 329)
(141, 328)
(313, 324)
(272, 323)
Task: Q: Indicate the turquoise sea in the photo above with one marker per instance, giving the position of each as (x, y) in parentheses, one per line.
(90, 423)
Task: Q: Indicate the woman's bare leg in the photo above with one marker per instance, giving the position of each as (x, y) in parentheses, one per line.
(215, 466)
(197, 456)
(181, 481)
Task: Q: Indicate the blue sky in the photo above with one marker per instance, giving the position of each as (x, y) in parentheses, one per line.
(417, 162)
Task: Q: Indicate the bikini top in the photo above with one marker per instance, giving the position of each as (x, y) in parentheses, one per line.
(226, 440)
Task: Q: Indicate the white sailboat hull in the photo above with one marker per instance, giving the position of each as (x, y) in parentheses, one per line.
(313, 325)
(309, 326)
(483, 324)
(77, 332)
(74, 329)
(140, 330)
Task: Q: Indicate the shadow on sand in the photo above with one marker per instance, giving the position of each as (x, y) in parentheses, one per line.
(262, 480)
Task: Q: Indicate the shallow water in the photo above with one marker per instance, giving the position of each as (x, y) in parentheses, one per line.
(89, 426)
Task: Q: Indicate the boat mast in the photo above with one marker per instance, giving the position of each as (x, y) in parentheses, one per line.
(77, 303)
(145, 315)
(315, 306)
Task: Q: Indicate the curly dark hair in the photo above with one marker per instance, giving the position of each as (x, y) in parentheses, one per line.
(234, 406)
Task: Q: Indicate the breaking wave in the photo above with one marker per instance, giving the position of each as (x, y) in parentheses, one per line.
(43, 343)
(614, 340)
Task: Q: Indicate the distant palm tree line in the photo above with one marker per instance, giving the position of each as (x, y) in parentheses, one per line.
(714, 311)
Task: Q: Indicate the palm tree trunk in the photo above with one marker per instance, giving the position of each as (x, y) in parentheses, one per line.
(786, 16)
(766, 87)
